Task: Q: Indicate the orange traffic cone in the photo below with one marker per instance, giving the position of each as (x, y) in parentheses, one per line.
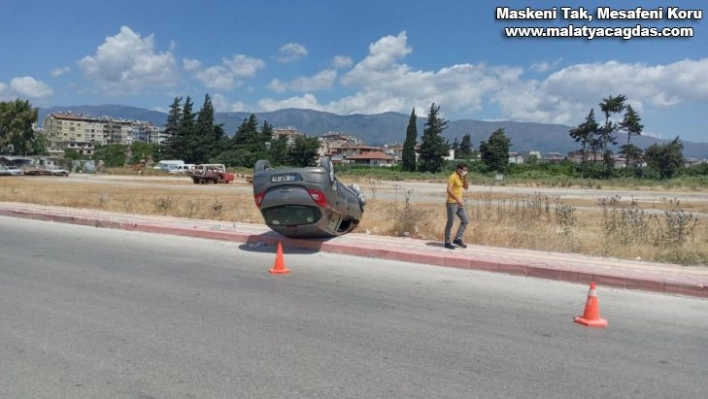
(591, 317)
(279, 266)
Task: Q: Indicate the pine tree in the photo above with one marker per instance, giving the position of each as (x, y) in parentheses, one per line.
(208, 137)
(455, 145)
(278, 150)
(170, 148)
(248, 142)
(494, 153)
(606, 134)
(247, 132)
(303, 152)
(408, 157)
(265, 140)
(187, 139)
(466, 147)
(433, 147)
(584, 134)
(632, 126)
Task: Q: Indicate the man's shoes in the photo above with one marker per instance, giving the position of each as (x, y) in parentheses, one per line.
(449, 246)
(459, 243)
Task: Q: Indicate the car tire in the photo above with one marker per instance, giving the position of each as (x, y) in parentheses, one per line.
(326, 164)
(261, 165)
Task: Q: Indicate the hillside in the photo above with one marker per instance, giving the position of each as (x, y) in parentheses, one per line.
(383, 128)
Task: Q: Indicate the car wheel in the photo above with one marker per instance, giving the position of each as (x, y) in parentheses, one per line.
(326, 164)
(261, 165)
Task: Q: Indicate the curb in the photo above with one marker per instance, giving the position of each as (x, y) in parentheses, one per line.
(676, 284)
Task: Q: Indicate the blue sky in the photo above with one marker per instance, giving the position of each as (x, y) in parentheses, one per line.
(352, 57)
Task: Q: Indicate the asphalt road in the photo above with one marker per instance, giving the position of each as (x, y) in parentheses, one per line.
(89, 312)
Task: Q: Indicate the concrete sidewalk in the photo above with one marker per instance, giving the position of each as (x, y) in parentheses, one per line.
(637, 275)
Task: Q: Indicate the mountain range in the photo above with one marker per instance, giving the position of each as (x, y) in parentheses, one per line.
(385, 128)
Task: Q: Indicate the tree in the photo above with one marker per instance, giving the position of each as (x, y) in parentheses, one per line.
(247, 132)
(455, 145)
(606, 134)
(632, 126)
(71, 154)
(408, 157)
(17, 136)
(495, 152)
(141, 152)
(666, 158)
(181, 123)
(112, 155)
(278, 150)
(631, 153)
(208, 139)
(584, 134)
(171, 147)
(433, 147)
(466, 147)
(248, 139)
(265, 140)
(304, 151)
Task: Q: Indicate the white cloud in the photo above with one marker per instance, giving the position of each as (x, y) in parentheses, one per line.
(290, 52)
(381, 83)
(191, 65)
(568, 94)
(221, 104)
(307, 101)
(321, 81)
(544, 66)
(3, 87)
(127, 63)
(227, 76)
(59, 71)
(30, 88)
(238, 106)
(277, 86)
(341, 61)
(218, 101)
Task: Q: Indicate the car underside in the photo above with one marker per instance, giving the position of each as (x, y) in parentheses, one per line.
(306, 202)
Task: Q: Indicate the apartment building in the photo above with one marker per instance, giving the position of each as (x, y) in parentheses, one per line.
(290, 132)
(61, 128)
(65, 130)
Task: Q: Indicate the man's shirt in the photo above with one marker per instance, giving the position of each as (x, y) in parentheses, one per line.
(455, 181)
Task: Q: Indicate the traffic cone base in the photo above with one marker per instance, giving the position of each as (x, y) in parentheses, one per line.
(278, 271)
(591, 316)
(591, 323)
(279, 265)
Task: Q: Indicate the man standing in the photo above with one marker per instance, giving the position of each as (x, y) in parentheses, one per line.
(456, 206)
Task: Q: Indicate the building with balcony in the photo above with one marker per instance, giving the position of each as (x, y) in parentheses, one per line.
(290, 132)
(65, 130)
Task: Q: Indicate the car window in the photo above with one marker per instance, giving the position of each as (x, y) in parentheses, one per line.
(288, 215)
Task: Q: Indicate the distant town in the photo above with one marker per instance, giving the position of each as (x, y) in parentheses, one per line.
(81, 133)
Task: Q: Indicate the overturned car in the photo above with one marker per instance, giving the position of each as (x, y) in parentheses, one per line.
(307, 202)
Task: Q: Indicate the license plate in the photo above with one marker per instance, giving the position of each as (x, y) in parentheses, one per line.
(284, 178)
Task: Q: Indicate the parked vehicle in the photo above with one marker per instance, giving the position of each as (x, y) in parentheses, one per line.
(307, 202)
(59, 172)
(165, 165)
(15, 171)
(4, 171)
(181, 169)
(211, 173)
(51, 171)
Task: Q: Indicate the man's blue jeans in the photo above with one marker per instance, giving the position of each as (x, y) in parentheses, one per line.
(455, 210)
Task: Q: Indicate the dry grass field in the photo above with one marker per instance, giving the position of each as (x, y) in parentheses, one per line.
(664, 230)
